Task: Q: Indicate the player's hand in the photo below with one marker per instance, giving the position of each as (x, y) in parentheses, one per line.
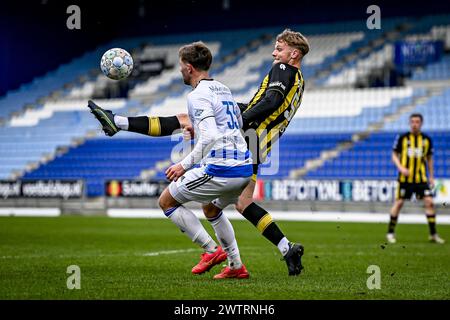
(404, 171)
(188, 133)
(174, 172)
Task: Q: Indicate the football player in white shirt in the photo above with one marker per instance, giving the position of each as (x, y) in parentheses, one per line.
(225, 165)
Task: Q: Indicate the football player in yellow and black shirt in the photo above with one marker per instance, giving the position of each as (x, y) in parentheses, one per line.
(273, 106)
(412, 152)
(265, 119)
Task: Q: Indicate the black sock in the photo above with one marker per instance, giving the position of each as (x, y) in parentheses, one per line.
(262, 220)
(432, 223)
(138, 124)
(154, 126)
(392, 224)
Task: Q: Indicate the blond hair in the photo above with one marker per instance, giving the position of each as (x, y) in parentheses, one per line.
(294, 39)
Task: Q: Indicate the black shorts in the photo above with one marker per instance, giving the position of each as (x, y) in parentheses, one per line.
(406, 190)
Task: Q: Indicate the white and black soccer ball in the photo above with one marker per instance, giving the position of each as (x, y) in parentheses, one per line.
(116, 64)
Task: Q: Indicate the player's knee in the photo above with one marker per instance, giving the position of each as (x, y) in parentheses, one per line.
(242, 204)
(428, 203)
(397, 206)
(210, 211)
(163, 202)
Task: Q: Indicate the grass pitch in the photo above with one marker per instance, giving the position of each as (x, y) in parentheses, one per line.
(135, 259)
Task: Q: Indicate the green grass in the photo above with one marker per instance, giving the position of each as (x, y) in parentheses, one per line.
(35, 253)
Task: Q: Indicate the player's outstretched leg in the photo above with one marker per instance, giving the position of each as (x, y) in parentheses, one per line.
(262, 220)
(105, 117)
(226, 236)
(149, 126)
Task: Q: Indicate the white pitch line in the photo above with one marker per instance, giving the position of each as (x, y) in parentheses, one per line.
(30, 212)
(157, 253)
(329, 216)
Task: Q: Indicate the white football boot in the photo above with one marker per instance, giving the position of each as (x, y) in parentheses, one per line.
(436, 239)
(390, 237)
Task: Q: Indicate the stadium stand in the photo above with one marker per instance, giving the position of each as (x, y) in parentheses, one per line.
(62, 139)
(382, 53)
(371, 159)
(347, 110)
(36, 135)
(436, 71)
(361, 67)
(435, 110)
(98, 160)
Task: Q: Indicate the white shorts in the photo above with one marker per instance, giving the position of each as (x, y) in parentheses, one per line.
(196, 185)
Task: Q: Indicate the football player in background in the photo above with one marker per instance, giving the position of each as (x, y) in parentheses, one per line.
(219, 180)
(411, 152)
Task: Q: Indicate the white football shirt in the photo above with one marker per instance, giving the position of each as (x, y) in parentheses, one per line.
(211, 106)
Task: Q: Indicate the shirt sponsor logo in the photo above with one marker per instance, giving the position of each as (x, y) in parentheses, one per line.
(219, 90)
(415, 152)
(198, 112)
(277, 84)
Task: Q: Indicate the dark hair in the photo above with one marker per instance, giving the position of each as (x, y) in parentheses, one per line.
(197, 54)
(417, 115)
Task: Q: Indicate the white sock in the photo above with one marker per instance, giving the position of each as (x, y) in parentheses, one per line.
(121, 122)
(189, 224)
(225, 234)
(283, 246)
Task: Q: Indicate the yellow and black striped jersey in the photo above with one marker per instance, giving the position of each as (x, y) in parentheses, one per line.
(414, 151)
(270, 120)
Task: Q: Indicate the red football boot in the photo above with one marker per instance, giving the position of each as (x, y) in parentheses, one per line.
(240, 273)
(209, 260)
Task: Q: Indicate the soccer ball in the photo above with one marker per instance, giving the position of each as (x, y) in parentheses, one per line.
(116, 64)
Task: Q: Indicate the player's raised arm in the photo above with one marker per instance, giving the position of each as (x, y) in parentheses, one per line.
(151, 126)
(264, 107)
(280, 78)
(205, 121)
(207, 137)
